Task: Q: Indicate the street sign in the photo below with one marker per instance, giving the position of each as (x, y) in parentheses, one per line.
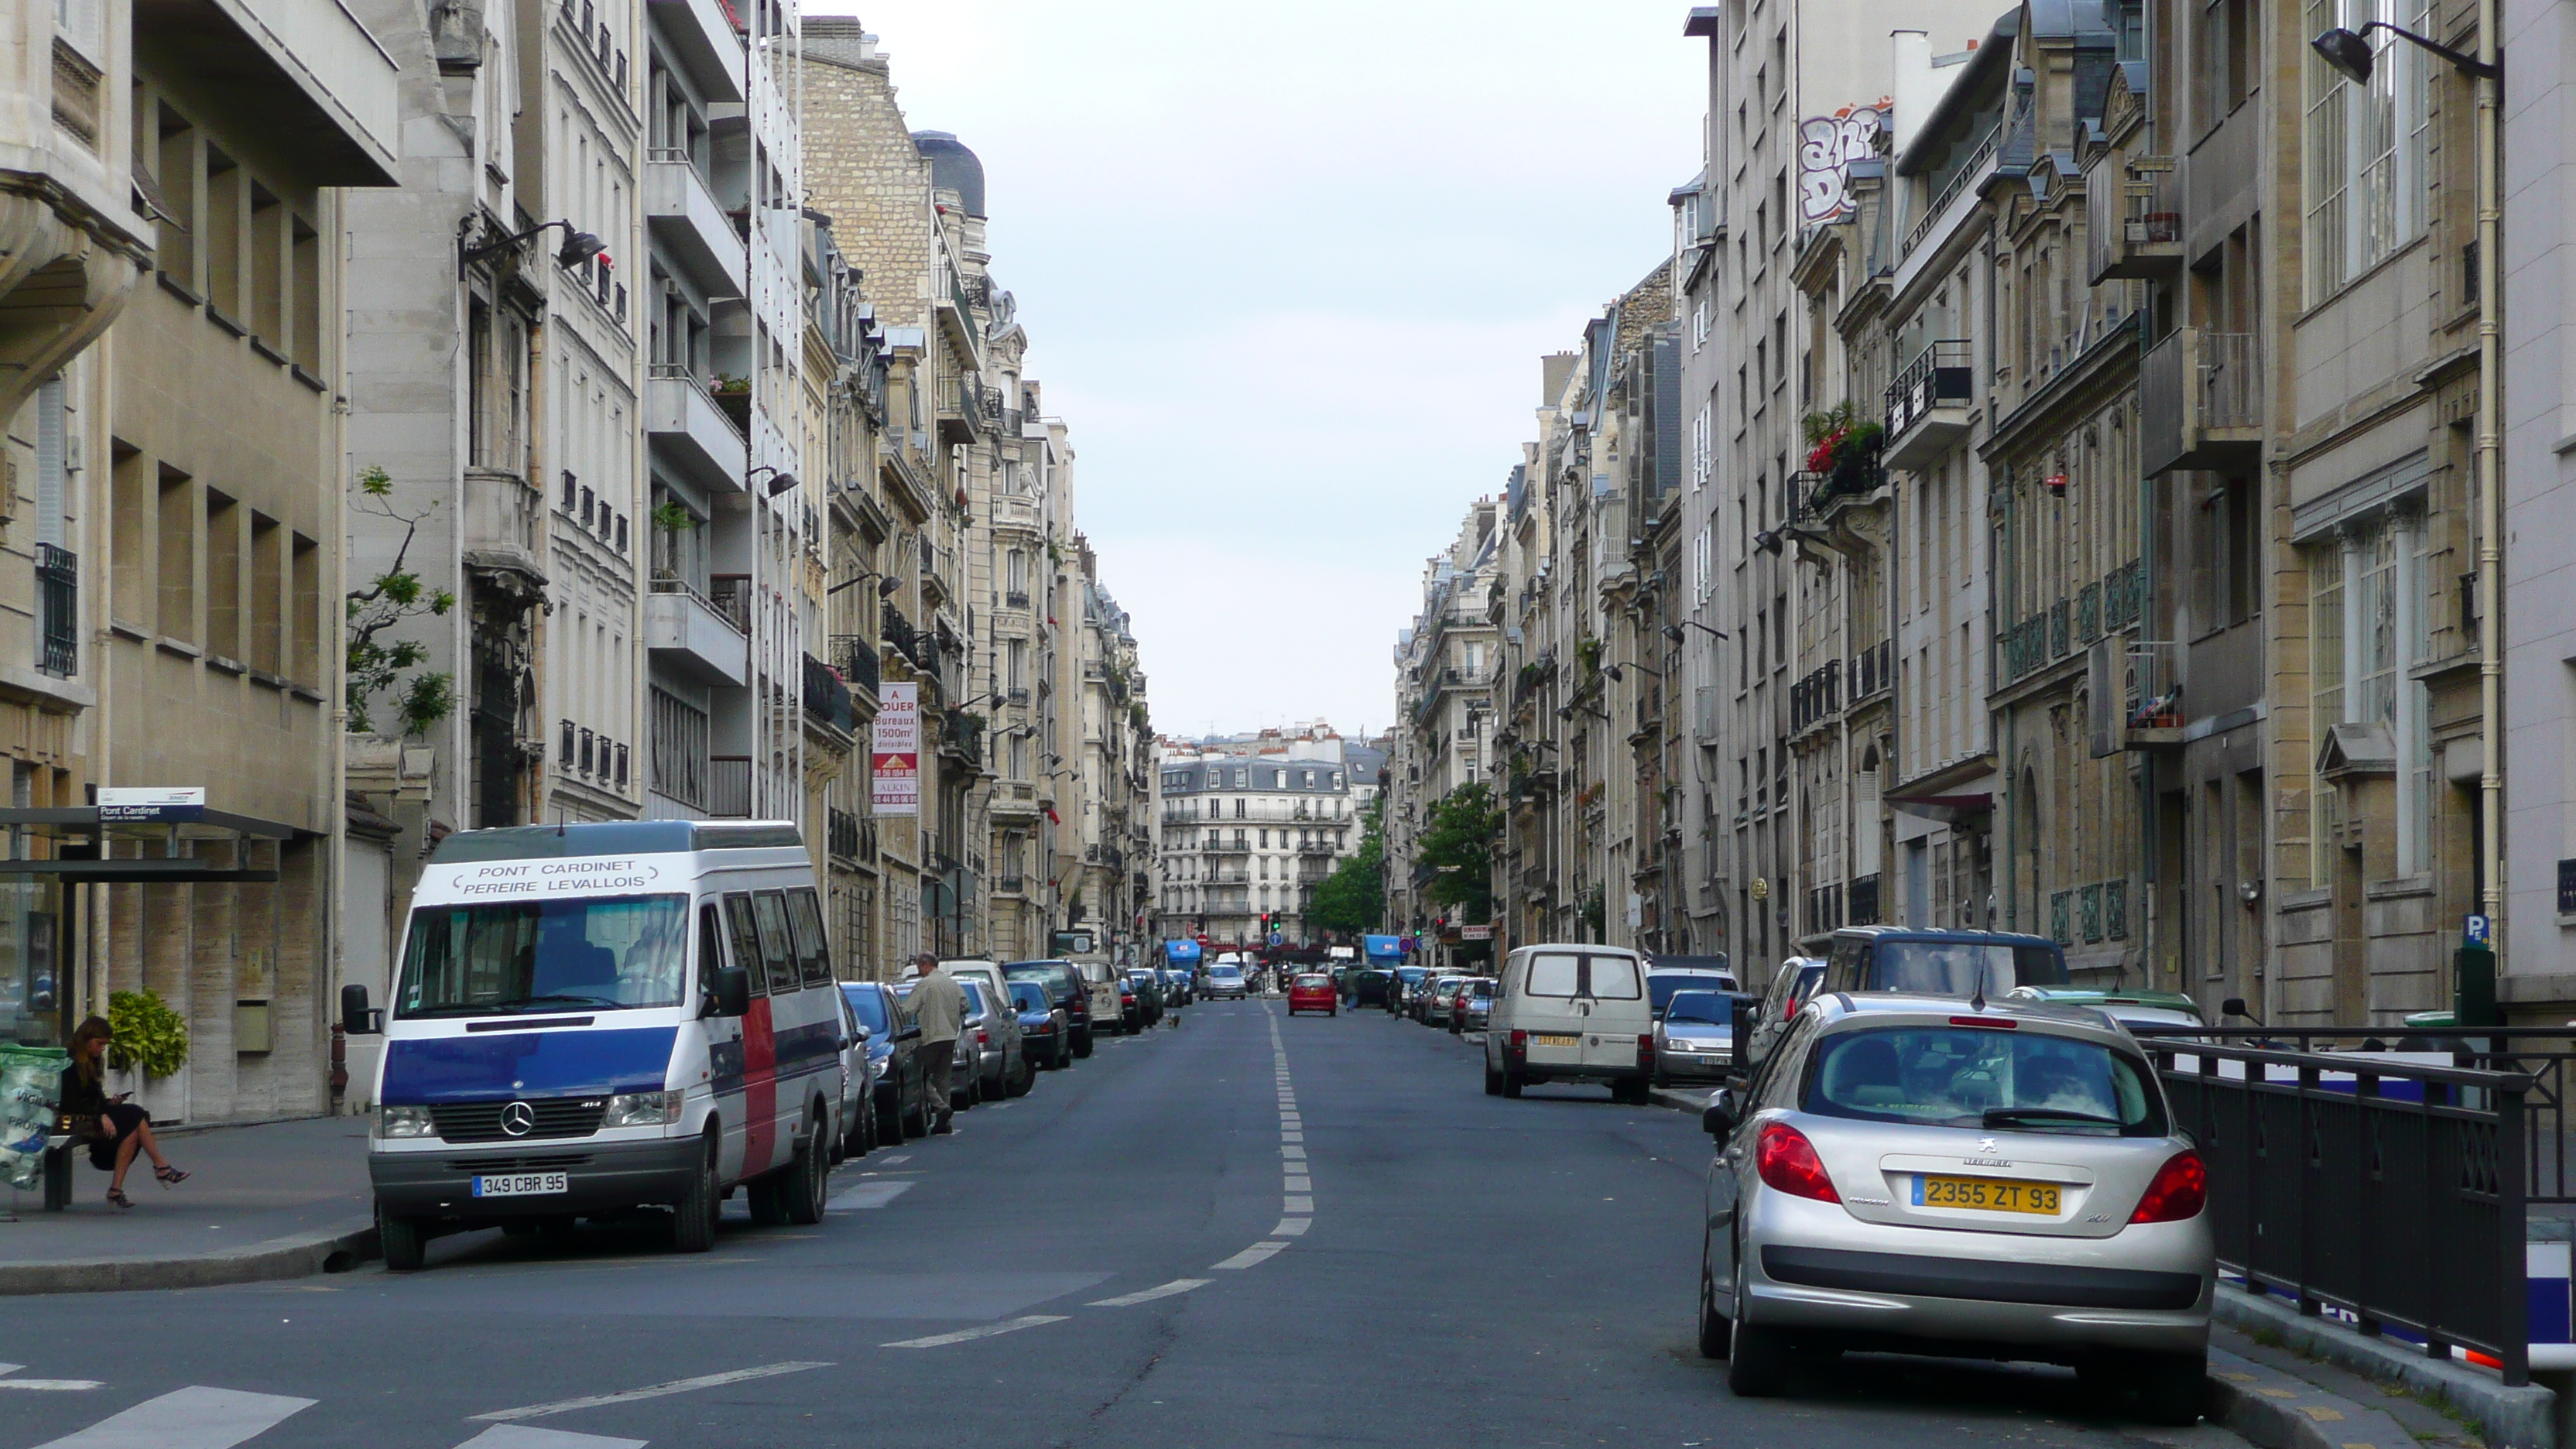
(155, 804)
(1276, 938)
(1476, 933)
(2478, 931)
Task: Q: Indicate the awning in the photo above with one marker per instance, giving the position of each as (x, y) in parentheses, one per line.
(1946, 809)
(85, 847)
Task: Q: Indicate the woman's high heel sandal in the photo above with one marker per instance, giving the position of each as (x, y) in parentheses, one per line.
(117, 1198)
(170, 1176)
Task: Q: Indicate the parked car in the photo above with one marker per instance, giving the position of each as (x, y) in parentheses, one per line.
(894, 1070)
(965, 1064)
(1429, 997)
(1695, 1037)
(1148, 986)
(1791, 986)
(1225, 982)
(993, 1025)
(1046, 1037)
(858, 1099)
(1571, 1013)
(1455, 1014)
(1941, 963)
(1476, 1008)
(2130, 1008)
(1176, 986)
(1065, 984)
(1663, 980)
(1922, 1173)
(1314, 992)
(1372, 987)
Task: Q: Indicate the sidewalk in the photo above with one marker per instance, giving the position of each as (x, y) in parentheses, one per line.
(279, 1200)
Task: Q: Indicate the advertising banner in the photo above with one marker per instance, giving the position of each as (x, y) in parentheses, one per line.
(894, 754)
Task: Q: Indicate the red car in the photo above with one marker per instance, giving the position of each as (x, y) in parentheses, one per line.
(1314, 993)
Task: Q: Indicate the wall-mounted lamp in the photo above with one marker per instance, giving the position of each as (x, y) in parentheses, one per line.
(2349, 55)
(886, 584)
(780, 484)
(578, 246)
(1674, 631)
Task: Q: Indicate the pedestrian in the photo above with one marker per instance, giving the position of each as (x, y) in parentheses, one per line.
(939, 1004)
(115, 1130)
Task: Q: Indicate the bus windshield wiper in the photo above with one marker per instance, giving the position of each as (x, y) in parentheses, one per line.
(556, 999)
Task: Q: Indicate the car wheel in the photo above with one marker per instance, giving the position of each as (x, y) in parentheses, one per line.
(693, 1217)
(405, 1242)
(2172, 1387)
(1715, 1333)
(1757, 1365)
(1493, 1082)
(807, 1182)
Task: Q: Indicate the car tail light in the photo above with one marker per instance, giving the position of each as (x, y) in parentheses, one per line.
(1986, 1023)
(982, 1038)
(1787, 1162)
(1646, 1052)
(2180, 1191)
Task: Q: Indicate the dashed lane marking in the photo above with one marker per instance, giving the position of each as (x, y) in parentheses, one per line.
(656, 1391)
(1172, 1289)
(1297, 1184)
(968, 1335)
(1292, 1227)
(894, 1157)
(868, 1195)
(1260, 1252)
(54, 1386)
(195, 1417)
(1296, 1204)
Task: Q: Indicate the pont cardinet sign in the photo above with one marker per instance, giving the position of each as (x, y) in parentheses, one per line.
(894, 752)
(152, 803)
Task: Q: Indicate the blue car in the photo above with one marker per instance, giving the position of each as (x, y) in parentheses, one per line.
(1046, 1033)
(894, 1043)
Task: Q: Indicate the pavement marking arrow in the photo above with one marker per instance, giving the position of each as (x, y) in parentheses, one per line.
(967, 1335)
(1172, 1289)
(677, 1386)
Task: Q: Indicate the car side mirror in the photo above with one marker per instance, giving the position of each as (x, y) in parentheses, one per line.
(1717, 1119)
(355, 1017)
(860, 1033)
(2234, 1006)
(730, 987)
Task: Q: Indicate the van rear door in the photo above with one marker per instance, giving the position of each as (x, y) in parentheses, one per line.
(1550, 1010)
(1616, 1011)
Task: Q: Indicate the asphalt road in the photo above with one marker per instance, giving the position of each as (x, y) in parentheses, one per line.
(1246, 1231)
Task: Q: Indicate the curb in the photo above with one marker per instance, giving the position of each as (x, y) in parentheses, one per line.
(1680, 1099)
(2280, 1412)
(334, 1249)
(2523, 1418)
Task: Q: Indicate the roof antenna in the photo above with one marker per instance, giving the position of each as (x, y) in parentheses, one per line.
(1977, 1000)
(559, 819)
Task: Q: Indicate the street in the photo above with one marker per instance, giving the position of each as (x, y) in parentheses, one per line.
(1117, 1258)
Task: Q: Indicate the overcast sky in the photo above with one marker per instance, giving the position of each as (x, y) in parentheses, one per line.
(1287, 272)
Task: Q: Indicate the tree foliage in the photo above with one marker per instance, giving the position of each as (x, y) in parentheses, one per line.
(1458, 846)
(1352, 899)
(376, 666)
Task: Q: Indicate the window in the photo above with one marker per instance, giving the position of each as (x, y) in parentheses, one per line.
(1700, 450)
(178, 551)
(267, 595)
(1947, 1076)
(227, 202)
(223, 576)
(1699, 319)
(746, 941)
(777, 948)
(176, 171)
(624, 951)
(305, 632)
(813, 952)
(2366, 145)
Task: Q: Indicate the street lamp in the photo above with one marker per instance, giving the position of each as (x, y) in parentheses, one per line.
(578, 246)
(887, 584)
(1674, 631)
(2350, 56)
(780, 484)
(1613, 670)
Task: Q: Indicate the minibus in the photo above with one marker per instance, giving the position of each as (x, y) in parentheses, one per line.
(590, 1019)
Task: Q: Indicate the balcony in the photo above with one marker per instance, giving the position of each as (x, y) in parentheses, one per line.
(962, 418)
(504, 528)
(697, 636)
(1962, 182)
(855, 655)
(957, 315)
(2133, 218)
(2200, 402)
(1873, 671)
(903, 639)
(58, 611)
(1927, 405)
(1016, 511)
(1816, 698)
(326, 92)
(938, 574)
(827, 699)
(681, 210)
(961, 738)
(702, 37)
(690, 433)
(1225, 847)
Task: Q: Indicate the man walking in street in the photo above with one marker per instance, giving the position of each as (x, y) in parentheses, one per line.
(939, 1004)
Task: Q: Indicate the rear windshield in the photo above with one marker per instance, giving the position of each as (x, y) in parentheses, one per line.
(868, 1005)
(1312, 982)
(2020, 1080)
(1223, 971)
(1031, 996)
(1602, 978)
(1961, 968)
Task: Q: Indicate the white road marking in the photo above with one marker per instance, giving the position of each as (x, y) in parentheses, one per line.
(676, 1386)
(1292, 1227)
(964, 1335)
(1298, 1184)
(1175, 1287)
(195, 1417)
(1296, 1204)
(1290, 1134)
(527, 1436)
(895, 1157)
(868, 1195)
(1257, 1253)
(42, 1385)
(1292, 1152)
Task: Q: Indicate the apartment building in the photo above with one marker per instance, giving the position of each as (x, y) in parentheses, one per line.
(1445, 666)
(1250, 825)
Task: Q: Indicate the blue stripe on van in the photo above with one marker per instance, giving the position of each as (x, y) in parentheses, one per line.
(527, 1064)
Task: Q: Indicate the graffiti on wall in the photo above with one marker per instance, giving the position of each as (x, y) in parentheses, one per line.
(1827, 146)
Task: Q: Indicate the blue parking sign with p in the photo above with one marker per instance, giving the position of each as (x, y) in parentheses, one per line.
(2478, 931)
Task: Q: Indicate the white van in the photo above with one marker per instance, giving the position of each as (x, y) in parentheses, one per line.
(1571, 1013)
(593, 1018)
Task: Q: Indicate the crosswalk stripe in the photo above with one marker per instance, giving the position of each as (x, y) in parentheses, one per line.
(865, 1195)
(1130, 1300)
(528, 1436)
(195, 1417)
(988, 1330)
(1257, 1253)
(677, 1386)
(50, 1386)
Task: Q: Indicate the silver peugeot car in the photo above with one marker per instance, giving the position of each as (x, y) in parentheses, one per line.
(1967, 1178)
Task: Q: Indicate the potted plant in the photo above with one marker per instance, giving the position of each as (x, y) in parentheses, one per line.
(147, 1047)
(1842, 449)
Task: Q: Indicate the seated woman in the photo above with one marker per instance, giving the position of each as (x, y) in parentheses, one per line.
(116, 1130)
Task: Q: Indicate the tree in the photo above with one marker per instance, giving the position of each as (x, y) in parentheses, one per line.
(1353, 898)
(1458, 847)
(392, 597)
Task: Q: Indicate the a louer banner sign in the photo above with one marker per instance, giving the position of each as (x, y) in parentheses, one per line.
(894, 752)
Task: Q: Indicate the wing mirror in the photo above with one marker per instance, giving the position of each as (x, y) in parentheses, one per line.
(355, 1017)
(730, 989)
(859, 1033)
(1717, 1119)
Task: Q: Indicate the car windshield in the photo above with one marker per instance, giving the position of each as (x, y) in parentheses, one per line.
(868, 1006)
(603, 953)
(1031, 996)
(1962, 968)
(1934, 1076)
(1705, 1008)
